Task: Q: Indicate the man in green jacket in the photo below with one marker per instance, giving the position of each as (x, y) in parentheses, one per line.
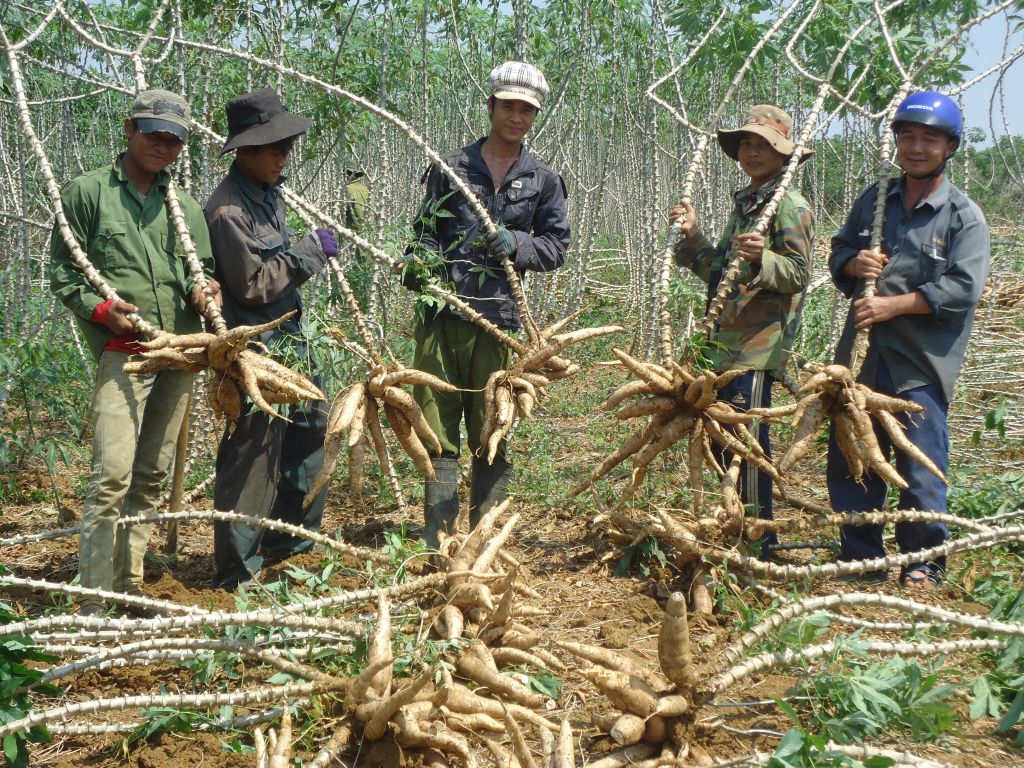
(119, 217)
(759, 322)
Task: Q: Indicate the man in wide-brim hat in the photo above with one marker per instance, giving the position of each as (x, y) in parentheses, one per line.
(758, 325)
(770, 123)
(258, 118)
(264, 464)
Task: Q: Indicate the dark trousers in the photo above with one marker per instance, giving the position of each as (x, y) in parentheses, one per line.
(264, 468)
(753, 389)
(926, 492)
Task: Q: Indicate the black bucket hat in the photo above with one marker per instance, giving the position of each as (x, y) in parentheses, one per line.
(258, 117)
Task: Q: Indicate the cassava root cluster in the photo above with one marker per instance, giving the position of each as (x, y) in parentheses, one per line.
(680, 403)
(511, 394)
(831, 392)
(239, 370)
(357, 411)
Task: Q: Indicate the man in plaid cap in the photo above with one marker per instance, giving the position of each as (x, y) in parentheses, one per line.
(119, 217)
(756, 329)
(526, 200)
(264, 465)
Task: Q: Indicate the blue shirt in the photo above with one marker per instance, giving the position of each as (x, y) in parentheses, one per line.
(940, 249)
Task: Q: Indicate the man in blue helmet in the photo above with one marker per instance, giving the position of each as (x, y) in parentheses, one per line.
(930, 275)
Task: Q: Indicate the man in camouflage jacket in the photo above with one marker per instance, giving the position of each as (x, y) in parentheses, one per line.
(759, 322)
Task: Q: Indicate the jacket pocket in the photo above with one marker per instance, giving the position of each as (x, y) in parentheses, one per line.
(270, 243)
(110, 244)
(934, 265)
(520, 205)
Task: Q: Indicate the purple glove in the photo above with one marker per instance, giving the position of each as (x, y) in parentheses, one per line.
(328, 242)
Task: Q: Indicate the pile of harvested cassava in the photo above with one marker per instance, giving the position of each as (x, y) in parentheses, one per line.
(513, 645)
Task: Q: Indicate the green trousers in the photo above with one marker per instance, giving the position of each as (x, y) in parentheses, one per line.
(137, 423)
(463, 355)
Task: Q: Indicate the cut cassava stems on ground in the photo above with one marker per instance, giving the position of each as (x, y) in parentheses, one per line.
(482, 614)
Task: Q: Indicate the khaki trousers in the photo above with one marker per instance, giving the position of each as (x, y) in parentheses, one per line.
(137, 423)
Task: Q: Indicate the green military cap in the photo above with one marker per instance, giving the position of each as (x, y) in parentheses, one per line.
(157, 110)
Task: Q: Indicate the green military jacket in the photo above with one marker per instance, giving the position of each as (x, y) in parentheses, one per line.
(357, 202)
(759, 322)
(131, 241)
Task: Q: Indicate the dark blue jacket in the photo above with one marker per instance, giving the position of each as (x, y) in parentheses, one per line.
(530, 203)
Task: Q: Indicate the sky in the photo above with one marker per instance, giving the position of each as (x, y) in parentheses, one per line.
(987, 40)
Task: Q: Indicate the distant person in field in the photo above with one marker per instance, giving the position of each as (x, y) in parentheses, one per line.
(119, 216)
(759, 322)
(357, 198)
(930, 275)
(526, 199)
(265, 465)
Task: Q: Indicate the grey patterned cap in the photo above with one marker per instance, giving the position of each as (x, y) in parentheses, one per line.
(157, 110)
(518, 80)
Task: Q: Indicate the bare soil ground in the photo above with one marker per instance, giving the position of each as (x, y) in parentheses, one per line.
(569, 562)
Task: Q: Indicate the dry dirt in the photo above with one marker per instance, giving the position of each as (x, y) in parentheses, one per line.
(568, 562)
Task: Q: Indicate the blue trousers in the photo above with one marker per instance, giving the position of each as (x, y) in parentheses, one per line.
(752, 390)
(928, 431)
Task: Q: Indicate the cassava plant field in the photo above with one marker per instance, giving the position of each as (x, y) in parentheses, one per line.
(610, 614)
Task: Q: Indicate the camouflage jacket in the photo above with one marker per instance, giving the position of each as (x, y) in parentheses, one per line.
(758, 324)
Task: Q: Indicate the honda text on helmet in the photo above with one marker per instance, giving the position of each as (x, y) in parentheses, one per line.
(933, 109)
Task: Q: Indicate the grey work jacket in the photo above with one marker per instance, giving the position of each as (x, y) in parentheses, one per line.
(530, 203)
(940, 249)
(258, 266)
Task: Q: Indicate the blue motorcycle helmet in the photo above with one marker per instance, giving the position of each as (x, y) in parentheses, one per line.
(933, 109)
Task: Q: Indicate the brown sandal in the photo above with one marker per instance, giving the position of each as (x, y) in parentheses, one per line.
(921, 577)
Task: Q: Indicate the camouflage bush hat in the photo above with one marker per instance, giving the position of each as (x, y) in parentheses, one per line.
(518, 80)
(156, 110)
(258, 117)
(770, 123)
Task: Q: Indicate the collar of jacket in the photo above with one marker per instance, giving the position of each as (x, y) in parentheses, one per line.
(161, 181)
(751, 200)
(525, 164)
(938, 198)
(255, 192)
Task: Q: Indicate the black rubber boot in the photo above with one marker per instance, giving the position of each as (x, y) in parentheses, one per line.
(487, 488)
(441, 500)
